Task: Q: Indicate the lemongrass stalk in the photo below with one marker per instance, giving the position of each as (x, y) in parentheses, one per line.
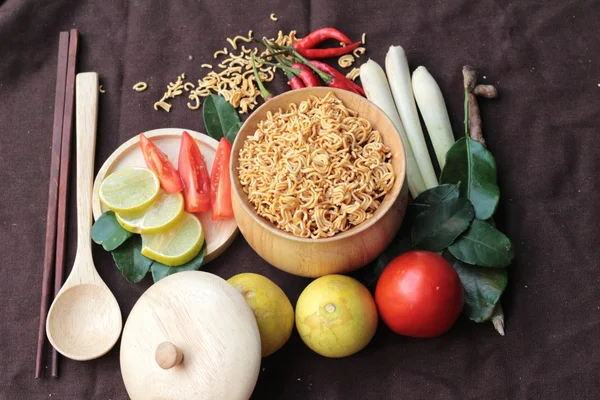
(378, 92)
(433, 109)
(398, 73)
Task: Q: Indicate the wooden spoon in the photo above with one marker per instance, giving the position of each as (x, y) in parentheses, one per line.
(84, 321)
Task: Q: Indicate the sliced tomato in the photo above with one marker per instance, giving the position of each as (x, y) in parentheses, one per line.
(220, 183)
(194, 174)
(158, 162)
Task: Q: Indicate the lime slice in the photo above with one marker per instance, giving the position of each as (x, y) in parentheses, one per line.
(160, 216)
(177, 245)
(129, 190)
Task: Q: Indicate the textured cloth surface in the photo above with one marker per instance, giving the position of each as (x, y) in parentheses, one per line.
(543, 57)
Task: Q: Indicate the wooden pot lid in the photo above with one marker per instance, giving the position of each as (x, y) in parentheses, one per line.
(191, 335)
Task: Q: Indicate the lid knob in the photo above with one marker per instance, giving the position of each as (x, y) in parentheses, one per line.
(168, 355)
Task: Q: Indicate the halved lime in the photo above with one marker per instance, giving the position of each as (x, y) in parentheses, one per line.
(129, 190)
(160, 216)
(177, 245)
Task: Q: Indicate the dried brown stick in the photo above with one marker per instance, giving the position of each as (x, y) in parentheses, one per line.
(487, 91)
(475, 124)
(469, 77)
(476, 133)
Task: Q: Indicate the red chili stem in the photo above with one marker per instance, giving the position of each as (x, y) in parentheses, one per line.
(328, 53)
(263, 91)
(336, 74)
(317, 37)
(286, 68)
(324, 76)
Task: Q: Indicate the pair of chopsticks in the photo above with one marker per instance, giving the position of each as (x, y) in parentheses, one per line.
(54, 251)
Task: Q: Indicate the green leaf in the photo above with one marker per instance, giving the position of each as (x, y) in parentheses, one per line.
(482, 288)
(436, 228)
(130, 261)
(471, 164)
(233, 131)
(432, 196)
(219, 116)
(108, 232)
(160, 271)
(483, 245)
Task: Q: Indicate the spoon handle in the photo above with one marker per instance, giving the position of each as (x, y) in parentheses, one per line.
(87, 112)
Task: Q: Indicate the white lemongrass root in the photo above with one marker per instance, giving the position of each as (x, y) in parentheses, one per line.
(398, 74)
(377, 89)
(435, 115)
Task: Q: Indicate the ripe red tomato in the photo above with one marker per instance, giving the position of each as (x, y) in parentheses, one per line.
(193, 172)
(220, 183)
(419, 294)
(158, 162)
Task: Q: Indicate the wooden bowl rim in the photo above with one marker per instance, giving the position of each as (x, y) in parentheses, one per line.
(320, 92)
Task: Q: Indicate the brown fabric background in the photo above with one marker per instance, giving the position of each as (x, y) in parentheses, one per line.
(543, 57)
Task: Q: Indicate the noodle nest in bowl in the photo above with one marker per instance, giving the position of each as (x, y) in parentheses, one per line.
(315, 169)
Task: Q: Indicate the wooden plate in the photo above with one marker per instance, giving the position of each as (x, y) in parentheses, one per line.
(219, 234)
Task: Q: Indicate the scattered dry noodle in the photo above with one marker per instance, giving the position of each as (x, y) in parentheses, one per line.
(273, 17)
(234, 81)
(162, 104)
(173, 89)
(364, 38)
(101, 90)
(355, 73)
(219, 52)
(140, 86)
(359, 51)
(346, 60)
(196, 105)
(233, 42)
(315, 169)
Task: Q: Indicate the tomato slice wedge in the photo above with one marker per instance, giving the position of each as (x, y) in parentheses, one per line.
(220, 183)
(158, 162)
(194, 174)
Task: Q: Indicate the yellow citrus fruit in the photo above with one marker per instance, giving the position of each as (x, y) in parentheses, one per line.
(160, 216)
(129, 190)
(271, 307)
(177, 245)
(336, 316)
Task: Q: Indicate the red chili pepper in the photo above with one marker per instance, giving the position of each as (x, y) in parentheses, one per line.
(307, 75)
(328, 53)
(296, 83)
(319, 36)
(332, 79)
(338, 75)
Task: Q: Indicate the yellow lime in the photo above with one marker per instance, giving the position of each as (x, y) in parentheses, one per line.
(336, 316)
(160, 216)
(271, 307)
(129, 190)
(177, 245)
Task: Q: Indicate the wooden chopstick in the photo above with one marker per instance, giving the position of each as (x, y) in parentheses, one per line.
(63, 182)
(50, 243)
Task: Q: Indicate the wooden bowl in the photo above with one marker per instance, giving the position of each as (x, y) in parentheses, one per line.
(346, 251)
